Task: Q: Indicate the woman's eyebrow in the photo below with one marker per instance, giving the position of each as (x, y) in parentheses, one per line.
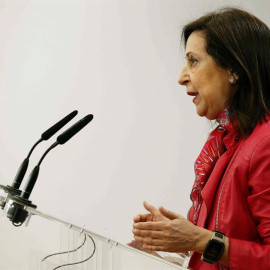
(189, 54)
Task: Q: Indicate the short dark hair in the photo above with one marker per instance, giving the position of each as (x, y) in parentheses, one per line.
(240, 42)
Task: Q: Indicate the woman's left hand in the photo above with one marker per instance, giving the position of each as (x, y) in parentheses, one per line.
(171, 232)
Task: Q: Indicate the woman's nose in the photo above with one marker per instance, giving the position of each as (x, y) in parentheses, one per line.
(184, 76)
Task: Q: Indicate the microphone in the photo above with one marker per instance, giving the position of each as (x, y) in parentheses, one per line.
(61, 139)
(14, 188)
(44, 137)
(18, 216)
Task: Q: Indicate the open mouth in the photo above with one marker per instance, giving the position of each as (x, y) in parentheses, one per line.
(194, 94)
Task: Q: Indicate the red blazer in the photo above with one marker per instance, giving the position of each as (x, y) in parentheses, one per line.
(236, 201)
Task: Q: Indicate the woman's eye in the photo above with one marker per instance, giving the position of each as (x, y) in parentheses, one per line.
(192, 61)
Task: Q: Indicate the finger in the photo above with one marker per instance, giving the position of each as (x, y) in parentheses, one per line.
(155, 226)
(141, 218)
(167, 213)
(137, 218)
(149, 241)
(154, 248)
(151, 208)
(140, 246)
(149, 234)
(136, 244)
(150, 244)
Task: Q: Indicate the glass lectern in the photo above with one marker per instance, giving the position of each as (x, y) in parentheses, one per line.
(49, 243)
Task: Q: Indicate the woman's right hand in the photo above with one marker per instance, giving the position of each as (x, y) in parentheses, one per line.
(154, 215)
(138, 245)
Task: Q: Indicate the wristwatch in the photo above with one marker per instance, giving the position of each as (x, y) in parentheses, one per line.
(214, 248)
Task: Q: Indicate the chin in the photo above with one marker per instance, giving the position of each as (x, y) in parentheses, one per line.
(202, 114)
(209, 116)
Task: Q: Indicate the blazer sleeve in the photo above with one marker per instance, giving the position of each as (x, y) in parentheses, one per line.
(256, 255)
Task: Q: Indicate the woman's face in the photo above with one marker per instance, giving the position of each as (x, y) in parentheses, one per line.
(204, 79)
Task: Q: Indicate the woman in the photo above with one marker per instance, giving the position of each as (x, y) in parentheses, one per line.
(227, 71)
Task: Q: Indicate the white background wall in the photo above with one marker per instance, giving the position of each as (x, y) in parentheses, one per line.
(120, 61)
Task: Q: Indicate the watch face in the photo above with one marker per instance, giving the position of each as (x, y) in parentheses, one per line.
(213, 250)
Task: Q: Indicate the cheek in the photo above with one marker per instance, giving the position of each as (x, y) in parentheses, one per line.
(225, 92)
(196, 83)
(201, 79)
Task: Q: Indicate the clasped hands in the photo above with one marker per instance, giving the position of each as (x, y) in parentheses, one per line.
(164, 230)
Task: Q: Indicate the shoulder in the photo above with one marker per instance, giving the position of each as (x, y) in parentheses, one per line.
(258, 140)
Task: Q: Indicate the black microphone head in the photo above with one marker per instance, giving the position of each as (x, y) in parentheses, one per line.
(51, 131)
(69, 133)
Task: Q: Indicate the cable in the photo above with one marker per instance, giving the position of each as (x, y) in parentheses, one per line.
(82, 260)
(17, 224)
(60, 253)
(64, 252)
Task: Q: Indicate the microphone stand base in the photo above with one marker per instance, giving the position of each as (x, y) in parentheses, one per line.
(17, 212)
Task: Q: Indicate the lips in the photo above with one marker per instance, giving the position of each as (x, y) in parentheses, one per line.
(194, 94)
(190, 93)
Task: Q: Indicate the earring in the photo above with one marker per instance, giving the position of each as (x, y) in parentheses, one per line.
(232, 80)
